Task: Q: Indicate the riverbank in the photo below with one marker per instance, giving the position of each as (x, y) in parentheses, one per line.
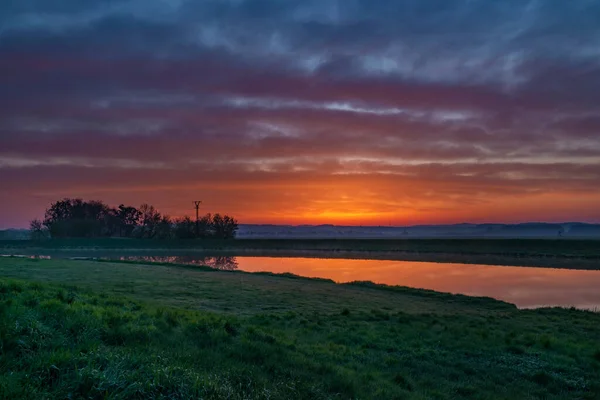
(91, 329)
(570, 254)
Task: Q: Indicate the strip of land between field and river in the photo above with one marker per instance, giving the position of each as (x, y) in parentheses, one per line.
(568, 254)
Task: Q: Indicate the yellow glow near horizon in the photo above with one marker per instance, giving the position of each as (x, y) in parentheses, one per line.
(341, 215)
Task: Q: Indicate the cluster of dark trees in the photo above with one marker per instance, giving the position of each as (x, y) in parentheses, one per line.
(76, 218)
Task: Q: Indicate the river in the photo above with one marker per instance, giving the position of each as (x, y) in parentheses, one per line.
(526, 287)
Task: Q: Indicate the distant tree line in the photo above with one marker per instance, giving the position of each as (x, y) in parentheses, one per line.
(76, 218)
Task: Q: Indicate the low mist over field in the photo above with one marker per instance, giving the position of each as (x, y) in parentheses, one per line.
(499, 231)
(528, 230)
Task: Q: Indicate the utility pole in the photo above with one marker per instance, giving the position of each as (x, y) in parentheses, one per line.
(197, 204)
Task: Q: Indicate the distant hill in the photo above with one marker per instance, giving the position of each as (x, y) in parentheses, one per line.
(500, 231)
(14, 234)
(524, 230)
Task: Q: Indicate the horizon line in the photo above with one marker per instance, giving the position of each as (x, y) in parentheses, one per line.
(397, 226)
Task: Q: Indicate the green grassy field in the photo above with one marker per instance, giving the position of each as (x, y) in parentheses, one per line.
(103, 330)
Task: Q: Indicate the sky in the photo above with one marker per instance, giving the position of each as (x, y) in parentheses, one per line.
(353, 112)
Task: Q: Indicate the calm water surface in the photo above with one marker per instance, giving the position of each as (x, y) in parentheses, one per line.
(525, 287)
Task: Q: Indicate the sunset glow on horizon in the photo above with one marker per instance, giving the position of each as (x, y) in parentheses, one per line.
(315, 112)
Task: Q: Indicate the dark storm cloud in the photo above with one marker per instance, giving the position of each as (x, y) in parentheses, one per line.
(496, 91)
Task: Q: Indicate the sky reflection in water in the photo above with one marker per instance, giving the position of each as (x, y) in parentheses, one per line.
(524, 286)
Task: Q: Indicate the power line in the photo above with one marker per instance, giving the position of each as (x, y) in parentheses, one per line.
(197, 204)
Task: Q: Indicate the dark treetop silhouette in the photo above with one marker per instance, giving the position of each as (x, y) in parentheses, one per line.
(78, 218)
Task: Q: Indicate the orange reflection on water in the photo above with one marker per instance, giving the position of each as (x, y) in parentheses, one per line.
(524, 286)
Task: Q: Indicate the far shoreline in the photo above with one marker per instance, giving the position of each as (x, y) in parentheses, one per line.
(531, 259)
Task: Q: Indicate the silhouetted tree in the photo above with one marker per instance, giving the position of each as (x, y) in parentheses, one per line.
(184, 228)
(37, 230)
(126, 219)
(205, 226)
(224, 227)
(164, 228)
(149, 221)
(77, 218)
